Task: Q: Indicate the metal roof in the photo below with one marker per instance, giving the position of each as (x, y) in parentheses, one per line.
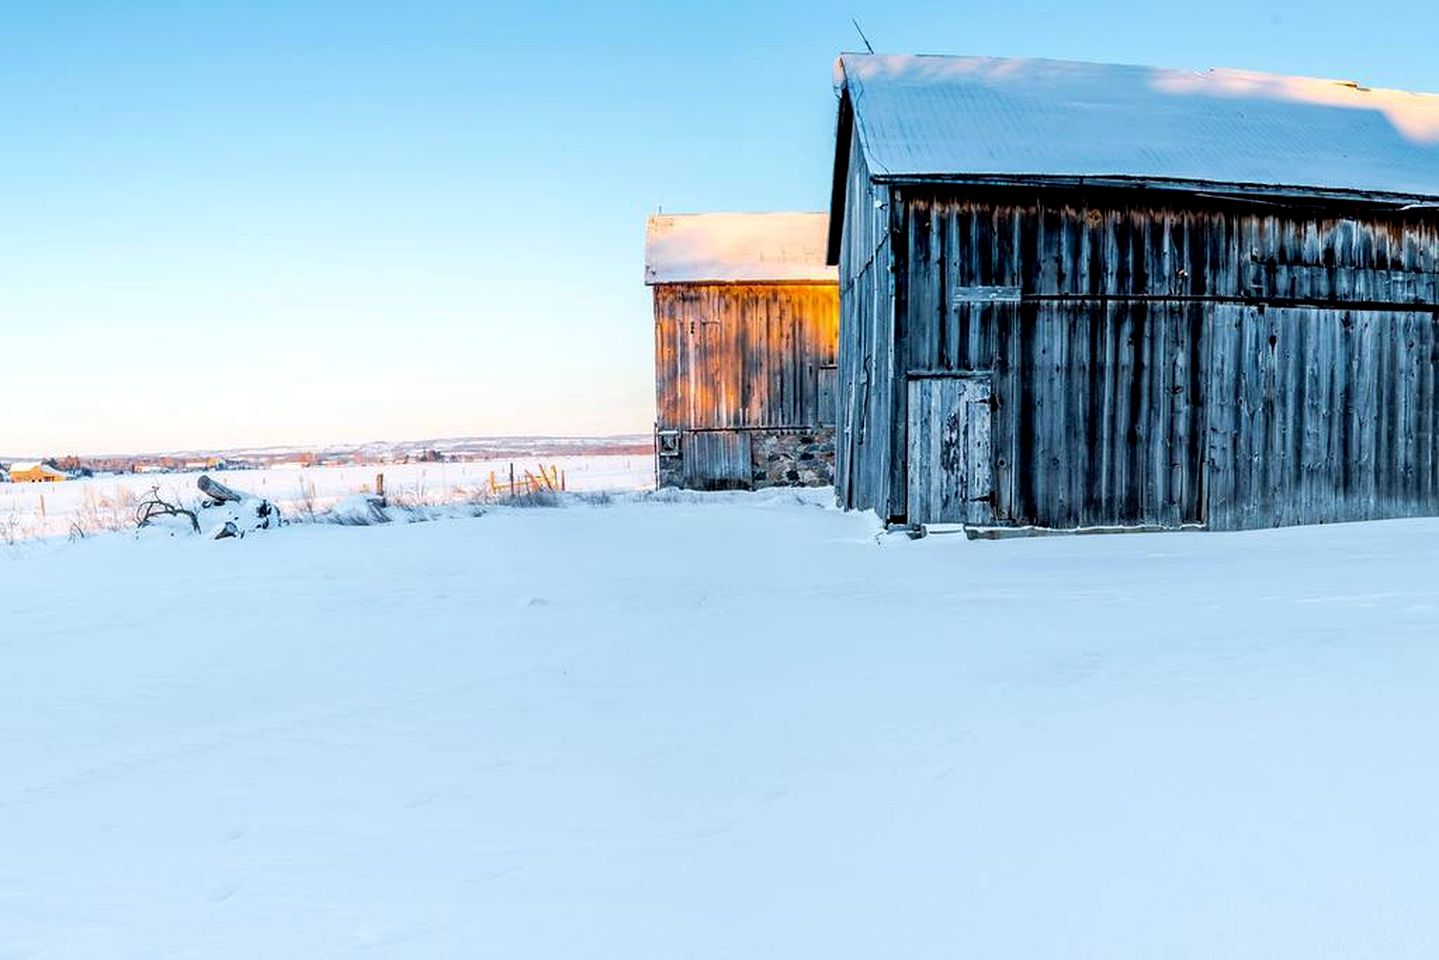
(986, 119)
(737, 248)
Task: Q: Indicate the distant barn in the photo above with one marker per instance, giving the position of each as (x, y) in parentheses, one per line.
(746, 328)
(1077, 295)
(35, 473)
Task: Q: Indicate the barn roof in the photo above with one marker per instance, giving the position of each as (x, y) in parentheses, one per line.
(35, 467)
(737, 248)
(982, 119)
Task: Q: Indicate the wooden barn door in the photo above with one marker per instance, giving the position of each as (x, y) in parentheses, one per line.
(718, 460)
(950, 475)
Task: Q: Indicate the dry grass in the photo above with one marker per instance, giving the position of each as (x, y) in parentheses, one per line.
(105, 514)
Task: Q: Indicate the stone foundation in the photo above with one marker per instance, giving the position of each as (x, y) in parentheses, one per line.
(778, 458)
(671, 472)
(792, 458)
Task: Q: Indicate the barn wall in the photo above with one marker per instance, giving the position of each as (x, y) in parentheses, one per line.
(867, 371)
(1214, 363)
(742, 355)
(1322, 415)
(1107, 244)
(1100, 413)
(744, 374)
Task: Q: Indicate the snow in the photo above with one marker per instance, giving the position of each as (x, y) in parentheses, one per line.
(979, 116)
(737, 247)
(720, 725)
(108, 502)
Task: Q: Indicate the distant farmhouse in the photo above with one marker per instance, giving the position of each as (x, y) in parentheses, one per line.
(746, 327)
(35, 473)
(1077, 295)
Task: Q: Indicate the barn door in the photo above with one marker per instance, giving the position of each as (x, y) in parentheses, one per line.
(718, 460)
(950, 477)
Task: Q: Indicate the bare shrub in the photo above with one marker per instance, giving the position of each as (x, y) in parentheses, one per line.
(374, 513)
(421, 495)
(537, 498)
(305, 502)
(115, 512)
(10, 528)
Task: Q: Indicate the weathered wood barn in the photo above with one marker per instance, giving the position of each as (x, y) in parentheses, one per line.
(746, 324)
(1076, 295)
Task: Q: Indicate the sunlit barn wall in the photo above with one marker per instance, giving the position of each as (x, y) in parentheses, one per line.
(744, 383)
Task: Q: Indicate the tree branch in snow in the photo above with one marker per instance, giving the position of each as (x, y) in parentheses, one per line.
(153, 506)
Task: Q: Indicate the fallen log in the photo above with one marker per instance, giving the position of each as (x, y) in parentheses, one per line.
(218, 491)
(239, 512)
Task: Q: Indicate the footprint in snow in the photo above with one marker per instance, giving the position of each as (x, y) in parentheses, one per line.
(223, 892)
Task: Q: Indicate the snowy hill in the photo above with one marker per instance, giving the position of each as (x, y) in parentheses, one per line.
(719, 726)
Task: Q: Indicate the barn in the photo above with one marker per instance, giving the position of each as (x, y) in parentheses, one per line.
(1082, 296)
(35, 473)
(746, 318)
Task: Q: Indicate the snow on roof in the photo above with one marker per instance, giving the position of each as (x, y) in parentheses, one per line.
(737, 247)
(35, 467)
(982, 117)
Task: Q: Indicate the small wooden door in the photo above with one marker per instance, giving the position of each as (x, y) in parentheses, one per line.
(951, 479)
(717, 460)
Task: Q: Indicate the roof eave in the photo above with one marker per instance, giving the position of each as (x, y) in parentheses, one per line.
(1175, 185)
(749, 282)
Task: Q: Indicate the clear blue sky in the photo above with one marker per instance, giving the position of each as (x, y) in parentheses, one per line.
(348, 220)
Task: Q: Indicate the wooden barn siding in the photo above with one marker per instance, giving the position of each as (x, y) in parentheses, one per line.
(1112, 246)
(717, 460)
(867, 360)
(1321, 416)
(1099, 417)
(1137, 382)
(742, 355)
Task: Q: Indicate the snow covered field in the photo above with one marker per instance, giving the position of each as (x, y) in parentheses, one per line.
(720, 726)
(107, 502)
